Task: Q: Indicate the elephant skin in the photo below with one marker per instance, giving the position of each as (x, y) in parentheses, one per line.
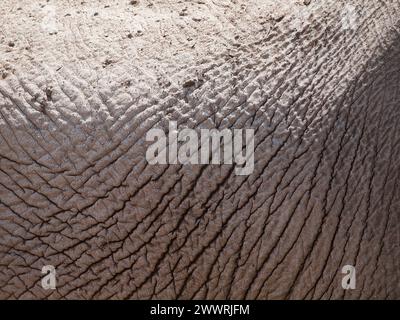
(82, 83)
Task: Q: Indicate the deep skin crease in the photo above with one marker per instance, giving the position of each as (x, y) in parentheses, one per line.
(82, 84)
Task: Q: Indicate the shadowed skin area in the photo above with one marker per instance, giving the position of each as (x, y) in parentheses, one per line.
(82, 84)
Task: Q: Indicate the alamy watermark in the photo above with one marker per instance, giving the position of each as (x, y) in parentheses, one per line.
(49, 280)
(49, 22)
(349, 280)
(212, 146)
(349, 17)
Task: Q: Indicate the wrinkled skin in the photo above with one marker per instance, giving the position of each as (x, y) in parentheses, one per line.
(78, 93)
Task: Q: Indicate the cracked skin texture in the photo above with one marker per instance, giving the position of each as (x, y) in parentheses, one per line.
(76, 101)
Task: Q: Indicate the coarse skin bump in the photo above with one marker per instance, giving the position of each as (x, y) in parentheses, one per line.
(82, 82)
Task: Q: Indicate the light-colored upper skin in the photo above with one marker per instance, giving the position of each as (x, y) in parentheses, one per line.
(81, 82)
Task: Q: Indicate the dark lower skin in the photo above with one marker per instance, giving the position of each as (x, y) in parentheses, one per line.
(77, 193)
